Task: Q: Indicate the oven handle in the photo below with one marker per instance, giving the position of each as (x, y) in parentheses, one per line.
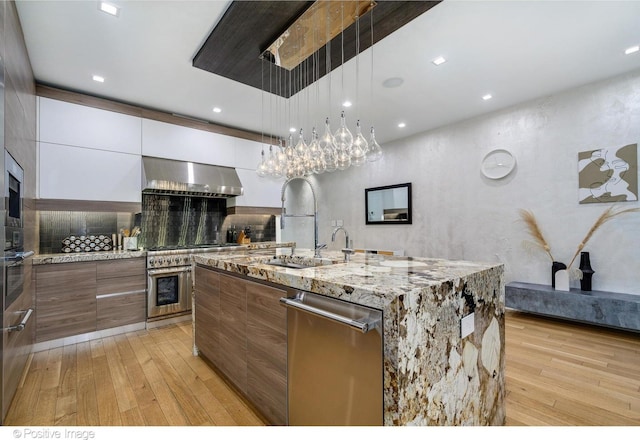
(23, 323)
(19, 257)
(168, 270)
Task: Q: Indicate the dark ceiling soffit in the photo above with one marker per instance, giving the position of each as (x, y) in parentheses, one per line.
(247, 28)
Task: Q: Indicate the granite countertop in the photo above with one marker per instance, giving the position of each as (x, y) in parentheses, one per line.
(77, 257)
(367, 279)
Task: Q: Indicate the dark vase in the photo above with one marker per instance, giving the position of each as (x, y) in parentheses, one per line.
(556, 266)
(587, 271)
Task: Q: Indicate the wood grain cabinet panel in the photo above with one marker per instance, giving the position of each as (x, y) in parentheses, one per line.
(207, 312)
(117, 310)
(233, 330)
(242, 329)
(267, 351)
(121, 292)
(65, 300)
(121, 268)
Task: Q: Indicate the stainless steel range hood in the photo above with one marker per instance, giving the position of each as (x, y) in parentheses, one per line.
(165, 176)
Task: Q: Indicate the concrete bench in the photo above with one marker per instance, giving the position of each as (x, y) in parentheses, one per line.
(608, 309)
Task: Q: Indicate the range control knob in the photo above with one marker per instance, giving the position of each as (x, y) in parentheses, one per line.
(152, 261)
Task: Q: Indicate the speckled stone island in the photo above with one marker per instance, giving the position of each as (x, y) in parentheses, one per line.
(432, 376)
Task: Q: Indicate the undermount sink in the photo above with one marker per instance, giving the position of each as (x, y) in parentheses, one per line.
(287, 264)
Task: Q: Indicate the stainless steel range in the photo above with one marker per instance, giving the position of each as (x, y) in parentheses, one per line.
(169, 279)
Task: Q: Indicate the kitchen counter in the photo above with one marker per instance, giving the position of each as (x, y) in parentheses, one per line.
(432, 375)
(118, 255)
(85, 256)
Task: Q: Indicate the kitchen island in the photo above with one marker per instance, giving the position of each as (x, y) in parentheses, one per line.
(433, 373)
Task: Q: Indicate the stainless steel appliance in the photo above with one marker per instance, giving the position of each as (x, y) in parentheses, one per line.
(169, 279)
(334, 362)
(165, 176)
(17, 308)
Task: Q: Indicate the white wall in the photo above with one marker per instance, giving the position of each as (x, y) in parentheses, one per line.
(459, 214)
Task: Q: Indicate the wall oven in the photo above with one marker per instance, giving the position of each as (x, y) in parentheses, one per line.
(14, 253)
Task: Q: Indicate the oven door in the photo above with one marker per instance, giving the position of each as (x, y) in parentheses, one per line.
(169, 291)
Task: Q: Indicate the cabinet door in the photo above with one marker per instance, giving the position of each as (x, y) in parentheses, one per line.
(233, 330)
(160, 139)
(258, 191)
(121, 292)
(65, 300)
(207, 313)
(84, 174)
(267, 351)
(77, 125)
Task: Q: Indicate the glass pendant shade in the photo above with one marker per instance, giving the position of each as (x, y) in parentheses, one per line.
(317, 160)
(375, 151)
(359, 148)
(262, 166)
(343, 137)
(274, 164)
(327, 148)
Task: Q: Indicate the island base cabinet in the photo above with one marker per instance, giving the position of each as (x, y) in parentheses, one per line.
(232, 336)
(207, 313)
(241, 329)
(267, 351)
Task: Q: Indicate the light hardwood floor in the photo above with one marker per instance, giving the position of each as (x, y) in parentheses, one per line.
(557, 373)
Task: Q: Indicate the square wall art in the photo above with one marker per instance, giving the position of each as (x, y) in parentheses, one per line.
(608, 174)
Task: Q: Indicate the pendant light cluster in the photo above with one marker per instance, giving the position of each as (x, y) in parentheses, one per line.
(330, 151)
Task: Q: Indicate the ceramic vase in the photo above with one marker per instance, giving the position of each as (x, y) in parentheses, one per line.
(555, 267)
(587, 271)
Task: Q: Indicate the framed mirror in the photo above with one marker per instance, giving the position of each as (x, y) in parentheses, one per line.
(388, 205)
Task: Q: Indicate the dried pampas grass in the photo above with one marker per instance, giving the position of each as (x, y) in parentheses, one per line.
(535, 233)
(608, 214)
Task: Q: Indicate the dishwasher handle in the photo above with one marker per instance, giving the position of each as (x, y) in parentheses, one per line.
(363, 327)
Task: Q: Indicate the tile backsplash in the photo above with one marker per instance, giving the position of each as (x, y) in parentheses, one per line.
(165, 220)
(54, 226)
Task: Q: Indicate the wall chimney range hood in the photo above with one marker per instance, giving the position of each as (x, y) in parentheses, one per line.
(165, 176)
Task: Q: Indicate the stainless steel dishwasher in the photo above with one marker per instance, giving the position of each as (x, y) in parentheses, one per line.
(334, 362)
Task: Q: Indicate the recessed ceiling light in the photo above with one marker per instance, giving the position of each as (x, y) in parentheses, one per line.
(392, 82)
(402, 125)
(217, 109)
(439, 61)
(487, 97)
(292, 130)
(109, 8)
(632, 50)
(98, 78)
(347, 104)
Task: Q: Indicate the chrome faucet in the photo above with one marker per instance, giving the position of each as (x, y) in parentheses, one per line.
(347, 251)
(316, 246)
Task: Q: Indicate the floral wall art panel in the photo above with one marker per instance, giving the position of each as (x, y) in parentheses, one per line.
(608, 174)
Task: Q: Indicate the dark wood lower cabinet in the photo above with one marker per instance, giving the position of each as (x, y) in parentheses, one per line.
(267, 351)
(77, 298)
(242, 329)
(65, 300)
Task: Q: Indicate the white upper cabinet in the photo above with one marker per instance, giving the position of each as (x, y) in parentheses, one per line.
(247, 153)
(80, 126)
(169, 141)
(258, 191)
(75, 173)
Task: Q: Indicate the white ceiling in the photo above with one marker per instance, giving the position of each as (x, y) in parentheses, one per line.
(514, 50)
